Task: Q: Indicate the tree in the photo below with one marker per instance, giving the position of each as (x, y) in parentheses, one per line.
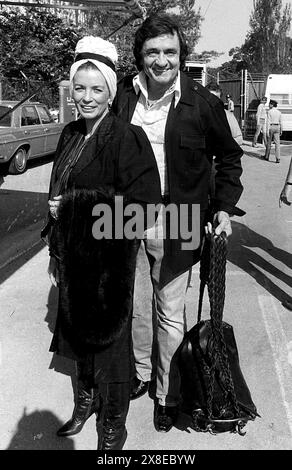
(104, 23)
(207, 56)
(268, 47)
(39, 44)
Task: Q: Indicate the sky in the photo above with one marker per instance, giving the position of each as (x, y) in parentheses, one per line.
(225, 26)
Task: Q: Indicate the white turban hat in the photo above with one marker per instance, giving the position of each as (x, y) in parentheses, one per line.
(102, 54)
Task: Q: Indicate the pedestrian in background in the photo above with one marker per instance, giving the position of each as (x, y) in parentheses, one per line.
(232, 121)
(236, 133)
(230, 103)
(98, 156)
(284, 199)
(274, 129)
(286, 191)
(186, 126)
(261, 119)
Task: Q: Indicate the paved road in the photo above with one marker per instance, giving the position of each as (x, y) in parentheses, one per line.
(36, 391)
(23, 209)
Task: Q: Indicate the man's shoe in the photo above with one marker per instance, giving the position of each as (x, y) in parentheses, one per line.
(278, 161)
(139, 388)
(165, 417)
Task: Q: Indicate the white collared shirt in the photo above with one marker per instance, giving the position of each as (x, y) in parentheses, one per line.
(152, 117)
(274, 117)
(261, 112)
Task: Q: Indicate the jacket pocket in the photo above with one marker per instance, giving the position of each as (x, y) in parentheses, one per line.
(192, 152)
(193, 141)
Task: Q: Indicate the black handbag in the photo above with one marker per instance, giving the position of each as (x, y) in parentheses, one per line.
(214, 391)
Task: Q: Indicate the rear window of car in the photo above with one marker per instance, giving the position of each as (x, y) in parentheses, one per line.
(6, 120)
(29, 116)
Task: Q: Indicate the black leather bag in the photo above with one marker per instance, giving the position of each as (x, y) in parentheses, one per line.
(213, 388)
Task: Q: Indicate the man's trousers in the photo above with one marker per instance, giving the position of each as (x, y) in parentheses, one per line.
(159, 320)
(274, 135)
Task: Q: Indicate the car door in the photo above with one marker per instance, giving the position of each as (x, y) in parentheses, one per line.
(32, 129)
(51, 129)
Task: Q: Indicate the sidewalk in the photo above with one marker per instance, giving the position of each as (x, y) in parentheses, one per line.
(36, 390)
(259, 150)
(36, 395)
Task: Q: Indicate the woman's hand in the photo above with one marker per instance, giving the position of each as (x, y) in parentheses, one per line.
(221, 224)
(54, 206)
(53, 271)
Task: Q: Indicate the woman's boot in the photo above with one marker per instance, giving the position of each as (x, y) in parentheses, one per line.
(114, 433)
(88, 401)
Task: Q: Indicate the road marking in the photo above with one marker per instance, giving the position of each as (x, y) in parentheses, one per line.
(280, 350)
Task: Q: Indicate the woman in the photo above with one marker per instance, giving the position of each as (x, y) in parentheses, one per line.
(98, 157)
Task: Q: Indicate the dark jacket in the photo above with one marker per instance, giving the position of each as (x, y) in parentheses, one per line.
(196, 130)
(118, 156)
(97, 276)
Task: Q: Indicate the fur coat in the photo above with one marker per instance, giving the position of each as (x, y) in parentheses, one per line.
(96, 276)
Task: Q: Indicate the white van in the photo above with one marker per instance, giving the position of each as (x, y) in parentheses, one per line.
(279, 88)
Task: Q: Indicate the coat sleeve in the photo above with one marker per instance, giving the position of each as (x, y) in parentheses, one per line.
(138, 175)
(227, 152)
(47, 231)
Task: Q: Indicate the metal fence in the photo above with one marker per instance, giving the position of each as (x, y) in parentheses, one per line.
(246, 90)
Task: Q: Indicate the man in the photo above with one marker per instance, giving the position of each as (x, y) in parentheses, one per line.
(261, 117)
(284, 199)
(287, 188)
(232, 121)
(186, 126)
(274, 128)
(230, 103)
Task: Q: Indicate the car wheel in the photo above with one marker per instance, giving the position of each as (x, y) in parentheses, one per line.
(18, 162)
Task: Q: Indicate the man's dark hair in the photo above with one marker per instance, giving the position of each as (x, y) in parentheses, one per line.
(157, 25)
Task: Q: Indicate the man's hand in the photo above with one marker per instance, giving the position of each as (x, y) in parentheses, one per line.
(221, 223)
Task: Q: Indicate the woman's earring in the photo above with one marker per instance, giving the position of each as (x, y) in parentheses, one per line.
(110, 103)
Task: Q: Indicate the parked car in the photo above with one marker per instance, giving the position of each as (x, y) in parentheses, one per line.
(26, 132)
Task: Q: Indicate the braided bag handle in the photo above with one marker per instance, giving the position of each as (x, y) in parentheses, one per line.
(212, 273)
